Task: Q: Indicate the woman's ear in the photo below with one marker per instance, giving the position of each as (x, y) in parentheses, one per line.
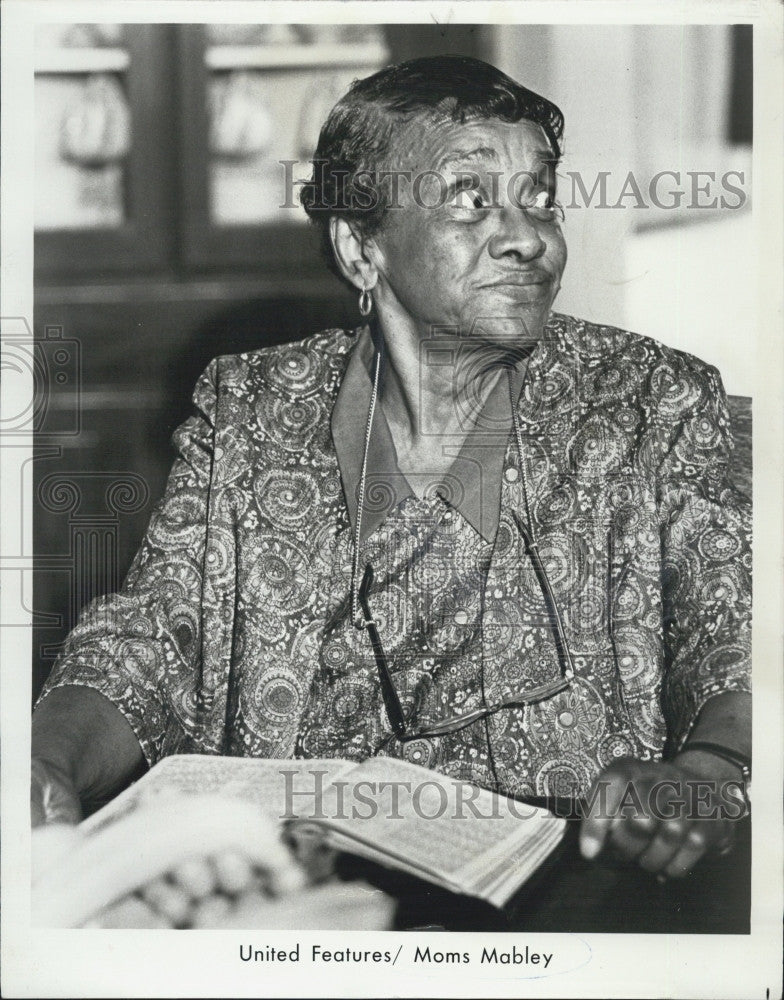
(351, 253)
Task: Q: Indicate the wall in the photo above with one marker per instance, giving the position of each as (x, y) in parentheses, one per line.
(647, 99)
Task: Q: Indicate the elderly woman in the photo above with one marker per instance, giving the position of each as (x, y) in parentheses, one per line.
(491, 539)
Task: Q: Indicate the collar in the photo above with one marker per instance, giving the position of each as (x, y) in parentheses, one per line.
(472, 485)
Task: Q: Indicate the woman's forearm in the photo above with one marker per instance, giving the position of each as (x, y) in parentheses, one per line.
(726, 721)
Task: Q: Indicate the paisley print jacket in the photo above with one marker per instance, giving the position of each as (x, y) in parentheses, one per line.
(232, 634)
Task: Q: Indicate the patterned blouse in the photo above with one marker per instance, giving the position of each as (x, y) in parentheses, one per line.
(233, 632)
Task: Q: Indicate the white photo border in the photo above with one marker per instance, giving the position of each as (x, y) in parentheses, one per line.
(85, 963)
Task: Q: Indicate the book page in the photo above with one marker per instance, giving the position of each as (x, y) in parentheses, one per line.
(499, 881)
(267, 783)
(436, 824)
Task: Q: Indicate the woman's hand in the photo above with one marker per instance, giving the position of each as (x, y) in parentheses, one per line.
(665, 815)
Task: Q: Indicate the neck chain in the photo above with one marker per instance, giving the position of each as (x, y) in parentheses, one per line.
(358, 620)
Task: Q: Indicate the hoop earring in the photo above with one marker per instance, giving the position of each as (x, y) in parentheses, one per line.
(365, 302)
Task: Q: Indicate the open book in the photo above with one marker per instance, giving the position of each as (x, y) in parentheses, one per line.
(453, 834)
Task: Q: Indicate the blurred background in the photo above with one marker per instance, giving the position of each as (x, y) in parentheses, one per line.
(162, 237)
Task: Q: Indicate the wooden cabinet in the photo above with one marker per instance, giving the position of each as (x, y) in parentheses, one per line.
(253, 112)
(105, 200)
(175, 149)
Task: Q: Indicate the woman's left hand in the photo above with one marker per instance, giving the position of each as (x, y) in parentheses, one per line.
(665, 815)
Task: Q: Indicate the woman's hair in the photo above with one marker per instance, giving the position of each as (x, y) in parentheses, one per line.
(356, 143)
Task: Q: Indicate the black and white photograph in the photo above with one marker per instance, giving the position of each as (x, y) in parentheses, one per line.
(391, 539)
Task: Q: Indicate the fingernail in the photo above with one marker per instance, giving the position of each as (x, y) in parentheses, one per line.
(590, 847)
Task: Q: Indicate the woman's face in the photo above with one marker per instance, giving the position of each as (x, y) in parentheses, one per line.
(474, 237)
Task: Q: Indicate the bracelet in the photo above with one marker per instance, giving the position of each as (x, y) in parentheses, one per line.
(731, 756)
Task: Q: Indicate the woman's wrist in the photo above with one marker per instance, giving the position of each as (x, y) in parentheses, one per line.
(708, 766)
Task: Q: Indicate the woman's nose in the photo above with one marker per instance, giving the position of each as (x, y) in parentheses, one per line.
(516, 235)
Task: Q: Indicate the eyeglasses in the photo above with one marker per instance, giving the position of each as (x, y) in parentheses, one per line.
(404, 724)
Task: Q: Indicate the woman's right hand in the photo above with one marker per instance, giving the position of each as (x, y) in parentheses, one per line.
(53, 796)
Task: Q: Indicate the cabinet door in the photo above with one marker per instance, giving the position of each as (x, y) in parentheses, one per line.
(253, 100)
(104, 153)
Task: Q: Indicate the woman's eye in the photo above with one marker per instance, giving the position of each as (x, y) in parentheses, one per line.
(467, 200)
(543, 206)
(542, 199)
(540, 205)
